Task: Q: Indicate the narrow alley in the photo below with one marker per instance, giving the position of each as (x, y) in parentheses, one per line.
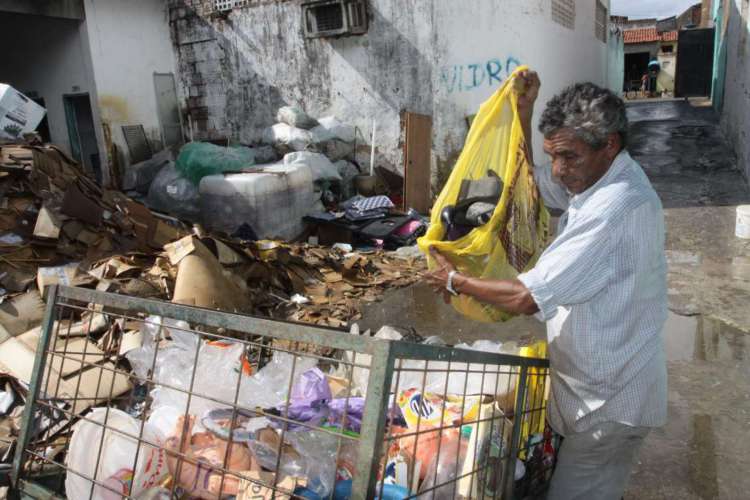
(682, 149)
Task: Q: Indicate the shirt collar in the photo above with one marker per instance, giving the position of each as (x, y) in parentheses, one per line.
(618, 164)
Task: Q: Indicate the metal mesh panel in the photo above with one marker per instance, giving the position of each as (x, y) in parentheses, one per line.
(434, 421)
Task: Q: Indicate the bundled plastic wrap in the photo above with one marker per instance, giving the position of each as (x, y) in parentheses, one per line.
(199, 159)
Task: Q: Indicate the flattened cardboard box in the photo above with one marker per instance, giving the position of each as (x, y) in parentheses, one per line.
(98, 383)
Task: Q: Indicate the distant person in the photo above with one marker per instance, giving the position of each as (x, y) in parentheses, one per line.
(644, 84)
(653, 75)
(601, 288)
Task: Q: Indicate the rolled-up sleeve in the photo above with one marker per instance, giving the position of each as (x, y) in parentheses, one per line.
(573, 269)
(553, 193)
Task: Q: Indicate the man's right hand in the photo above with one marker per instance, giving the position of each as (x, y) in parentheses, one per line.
(528, 86)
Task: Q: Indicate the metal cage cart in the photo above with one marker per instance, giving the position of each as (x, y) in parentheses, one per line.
(143, 399)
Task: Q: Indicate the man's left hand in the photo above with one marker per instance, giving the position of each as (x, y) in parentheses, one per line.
(438, 277)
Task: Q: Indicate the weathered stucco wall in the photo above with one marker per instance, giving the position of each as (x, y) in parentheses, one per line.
(437, 57)
(129, 43)
(668, 63)
(735, 116)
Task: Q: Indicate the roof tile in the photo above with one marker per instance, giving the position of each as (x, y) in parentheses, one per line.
(646, 35)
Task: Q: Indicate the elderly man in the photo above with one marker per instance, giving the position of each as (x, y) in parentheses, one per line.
(600, 287)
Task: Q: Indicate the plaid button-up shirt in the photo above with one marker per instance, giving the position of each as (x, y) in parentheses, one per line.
(601, 288)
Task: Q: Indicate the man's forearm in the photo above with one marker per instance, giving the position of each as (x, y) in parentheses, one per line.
(509, 295)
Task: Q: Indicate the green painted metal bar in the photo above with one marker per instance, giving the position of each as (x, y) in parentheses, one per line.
(510, 467)
(29, 489)
(219, 319)
(374, 418)
(422, 352)
(27, 424)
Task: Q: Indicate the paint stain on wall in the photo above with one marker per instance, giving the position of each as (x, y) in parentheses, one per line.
(113, 109)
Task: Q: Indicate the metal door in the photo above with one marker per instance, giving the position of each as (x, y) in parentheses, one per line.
(695, 58)
(168, 109)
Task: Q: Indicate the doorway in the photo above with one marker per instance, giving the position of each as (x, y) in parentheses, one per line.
(82, 132)
(636, 65)
(168, 109)
(43, 128)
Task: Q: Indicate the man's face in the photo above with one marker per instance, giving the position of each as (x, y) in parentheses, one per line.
(574, 163)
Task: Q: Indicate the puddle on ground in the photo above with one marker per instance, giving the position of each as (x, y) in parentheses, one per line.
(698, 338)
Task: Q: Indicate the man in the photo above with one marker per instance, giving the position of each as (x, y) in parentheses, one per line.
(600, 287)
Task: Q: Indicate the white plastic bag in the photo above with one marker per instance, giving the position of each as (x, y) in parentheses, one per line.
(321, 167)
(115, 458)
(296, 117)
(332, 127)
(294, 138)
(153, 330)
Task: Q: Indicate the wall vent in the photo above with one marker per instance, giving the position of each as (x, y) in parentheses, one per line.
(227, 5)
(330, 18)
(564, 13)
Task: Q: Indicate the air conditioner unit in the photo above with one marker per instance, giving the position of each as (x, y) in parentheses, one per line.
(324, 18)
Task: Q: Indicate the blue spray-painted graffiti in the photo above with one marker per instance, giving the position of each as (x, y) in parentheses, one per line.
(468, 77)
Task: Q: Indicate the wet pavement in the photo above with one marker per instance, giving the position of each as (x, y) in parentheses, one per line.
(702, 453)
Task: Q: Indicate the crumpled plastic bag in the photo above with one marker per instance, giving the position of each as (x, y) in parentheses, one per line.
(295, 117)
(172, 193)
(331, 128)
(283, 135)
(113, 463)
(322, 168)
(217, 372)
(311, 402)
(312, 455)
(516, 234)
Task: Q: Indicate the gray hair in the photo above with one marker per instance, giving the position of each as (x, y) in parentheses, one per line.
(592, 112)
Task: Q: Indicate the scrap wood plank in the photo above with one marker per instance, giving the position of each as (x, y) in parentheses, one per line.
(417, 160)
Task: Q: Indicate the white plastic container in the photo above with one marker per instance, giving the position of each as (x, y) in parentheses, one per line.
(18, 113)
(273, 202)
(742, 229)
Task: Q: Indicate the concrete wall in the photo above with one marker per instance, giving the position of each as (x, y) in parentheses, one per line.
(615, 60)
(47, 57)
(720, 21)
(651, 47)
(436, 57)
(129, 42)
(735, 116)
(668, 63)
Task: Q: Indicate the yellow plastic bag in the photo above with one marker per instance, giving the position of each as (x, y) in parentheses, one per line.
(511, 242)
(533, 412)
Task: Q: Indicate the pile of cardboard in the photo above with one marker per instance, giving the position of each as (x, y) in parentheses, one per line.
(58, 226)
